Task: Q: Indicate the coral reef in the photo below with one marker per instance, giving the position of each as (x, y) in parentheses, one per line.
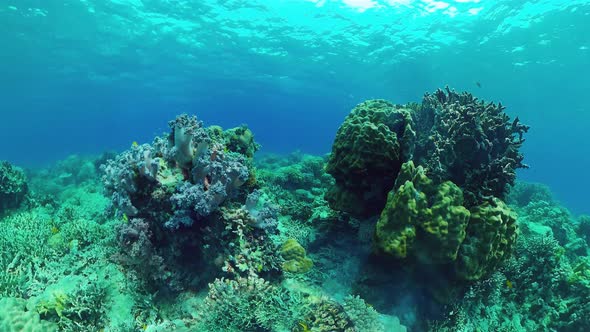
(326, 316)
(542, 287)
(164, 188)
(185, 171)
(365, 318)
(190, 233)
(447, 163)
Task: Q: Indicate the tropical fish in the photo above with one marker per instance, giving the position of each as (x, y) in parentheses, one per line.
(509, 284)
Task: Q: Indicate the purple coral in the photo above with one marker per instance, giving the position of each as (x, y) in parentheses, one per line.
(213, 181)
(184, 170)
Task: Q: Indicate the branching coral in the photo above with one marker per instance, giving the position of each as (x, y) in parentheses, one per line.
(473, 144)
(245, 304)
(365, 317)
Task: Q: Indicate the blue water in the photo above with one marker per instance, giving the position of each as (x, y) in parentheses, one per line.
(84, 76)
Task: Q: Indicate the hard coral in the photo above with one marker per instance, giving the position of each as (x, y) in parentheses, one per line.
(491, 235)
(245, 304)
(473, 144)
(422, 220)
(295, 259)
(369, 149)
(326, 316)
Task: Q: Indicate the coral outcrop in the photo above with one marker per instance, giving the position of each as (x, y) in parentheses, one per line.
(182, 177)
(13, 186)
(422, 220)
(447, 164)
(369, 149)
(161, 190)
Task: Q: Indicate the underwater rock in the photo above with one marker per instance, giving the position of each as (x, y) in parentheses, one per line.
(13, 186)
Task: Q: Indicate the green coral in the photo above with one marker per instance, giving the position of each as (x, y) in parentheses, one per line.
(14, 317)
(491, 235)
(364, 316)
(245, 304)
(369, 149)
(581, 273)
(422, 220)
(295, 259)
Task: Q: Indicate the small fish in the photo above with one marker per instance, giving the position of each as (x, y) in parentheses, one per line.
(509, 284)
(478, 84)
(134, 144)
(54, 230)
(125, 218)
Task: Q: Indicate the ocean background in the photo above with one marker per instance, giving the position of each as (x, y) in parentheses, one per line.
(84, 76)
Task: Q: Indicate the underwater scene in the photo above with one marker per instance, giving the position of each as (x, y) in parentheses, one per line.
(294, 165)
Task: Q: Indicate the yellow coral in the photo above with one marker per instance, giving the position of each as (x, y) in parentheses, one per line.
(295, 257)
